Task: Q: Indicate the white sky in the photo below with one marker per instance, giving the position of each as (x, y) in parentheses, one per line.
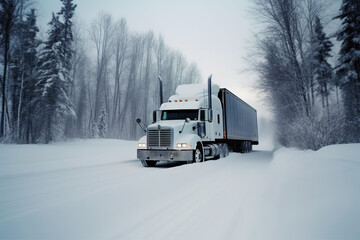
(216, 34)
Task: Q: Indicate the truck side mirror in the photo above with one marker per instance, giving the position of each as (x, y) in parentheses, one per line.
(187, 120)
(202, 115)
(154, 117)
(138, 120)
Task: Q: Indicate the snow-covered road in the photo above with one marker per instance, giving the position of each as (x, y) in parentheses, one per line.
(96, 189)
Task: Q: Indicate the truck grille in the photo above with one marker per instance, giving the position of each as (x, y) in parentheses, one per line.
(159, 138)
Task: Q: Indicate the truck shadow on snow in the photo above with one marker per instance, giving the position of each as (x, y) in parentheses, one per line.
(256, 156)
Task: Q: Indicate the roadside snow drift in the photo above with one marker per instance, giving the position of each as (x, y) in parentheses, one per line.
(97, 189)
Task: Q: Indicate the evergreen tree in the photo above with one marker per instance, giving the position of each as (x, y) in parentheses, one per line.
(349, 64)
(94, 129)
(323, 70)
(52, 100)
(103, 123)
(67, 12)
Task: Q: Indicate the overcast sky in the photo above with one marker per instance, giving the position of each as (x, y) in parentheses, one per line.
(216, 34)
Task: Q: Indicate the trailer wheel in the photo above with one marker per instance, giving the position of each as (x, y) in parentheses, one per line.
(148, 163)
(243, 147)
(248, 146)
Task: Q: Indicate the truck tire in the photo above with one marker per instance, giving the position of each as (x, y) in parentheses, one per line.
(225, 150)
(148, 163)
(248, 146)
(243, 146)
(222, 150)
(198, 154)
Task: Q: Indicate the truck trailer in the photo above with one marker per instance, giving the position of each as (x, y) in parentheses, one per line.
(198, 123)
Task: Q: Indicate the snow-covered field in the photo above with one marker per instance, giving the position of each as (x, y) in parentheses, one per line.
(97, 189)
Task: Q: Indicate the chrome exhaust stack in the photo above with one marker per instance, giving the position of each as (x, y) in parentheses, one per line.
(210, 99)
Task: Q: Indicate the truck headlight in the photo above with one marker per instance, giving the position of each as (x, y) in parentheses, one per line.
(141, 145)
(181, 145)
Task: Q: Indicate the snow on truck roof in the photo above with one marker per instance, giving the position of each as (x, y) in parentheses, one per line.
(196, 90)
(191, 96)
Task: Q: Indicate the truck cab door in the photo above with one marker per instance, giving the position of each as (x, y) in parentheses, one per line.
(205, 123)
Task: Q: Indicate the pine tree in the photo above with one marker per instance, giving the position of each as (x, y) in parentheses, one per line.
(323, 70)
(349, 64)
(52, 99)
(103, 123)
(67, 12)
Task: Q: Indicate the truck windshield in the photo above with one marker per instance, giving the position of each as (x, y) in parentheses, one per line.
(179, 114)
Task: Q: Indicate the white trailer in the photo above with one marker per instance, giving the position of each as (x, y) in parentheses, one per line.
(199, 122)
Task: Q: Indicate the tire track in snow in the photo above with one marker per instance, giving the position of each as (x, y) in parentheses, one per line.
(32, 193)
(188, 205)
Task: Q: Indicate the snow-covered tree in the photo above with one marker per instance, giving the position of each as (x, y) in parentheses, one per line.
(67, 12)
(52, 98)
(103, 123)
(293, 67)
(349, 64)
(323, 70)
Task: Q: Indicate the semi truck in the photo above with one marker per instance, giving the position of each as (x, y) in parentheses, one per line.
(198, 123)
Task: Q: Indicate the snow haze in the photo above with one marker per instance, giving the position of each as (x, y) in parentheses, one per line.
(216, 35)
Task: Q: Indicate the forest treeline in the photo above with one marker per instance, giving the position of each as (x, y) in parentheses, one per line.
(80, 81)
(314, 102)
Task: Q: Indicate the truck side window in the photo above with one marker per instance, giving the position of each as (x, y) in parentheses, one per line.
(218, 118)
(202, 115)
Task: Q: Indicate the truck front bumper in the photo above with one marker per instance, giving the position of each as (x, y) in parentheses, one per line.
(165, 155)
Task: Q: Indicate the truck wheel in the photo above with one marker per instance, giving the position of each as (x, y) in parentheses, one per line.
(198, 154)
(148, 163)
(222, 150)
(243, 147)
(225, 150)
(248, 146)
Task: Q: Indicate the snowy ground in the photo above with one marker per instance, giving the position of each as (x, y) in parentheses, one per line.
(96, 189)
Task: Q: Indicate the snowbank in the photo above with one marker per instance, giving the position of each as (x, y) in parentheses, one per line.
(307, 195)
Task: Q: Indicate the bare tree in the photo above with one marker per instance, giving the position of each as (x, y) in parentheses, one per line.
(288, 68)
(101, 33)
(148, 76)
(8, 15)
(180, 65)
(120, 51)
(160, 52)
(130, 97)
